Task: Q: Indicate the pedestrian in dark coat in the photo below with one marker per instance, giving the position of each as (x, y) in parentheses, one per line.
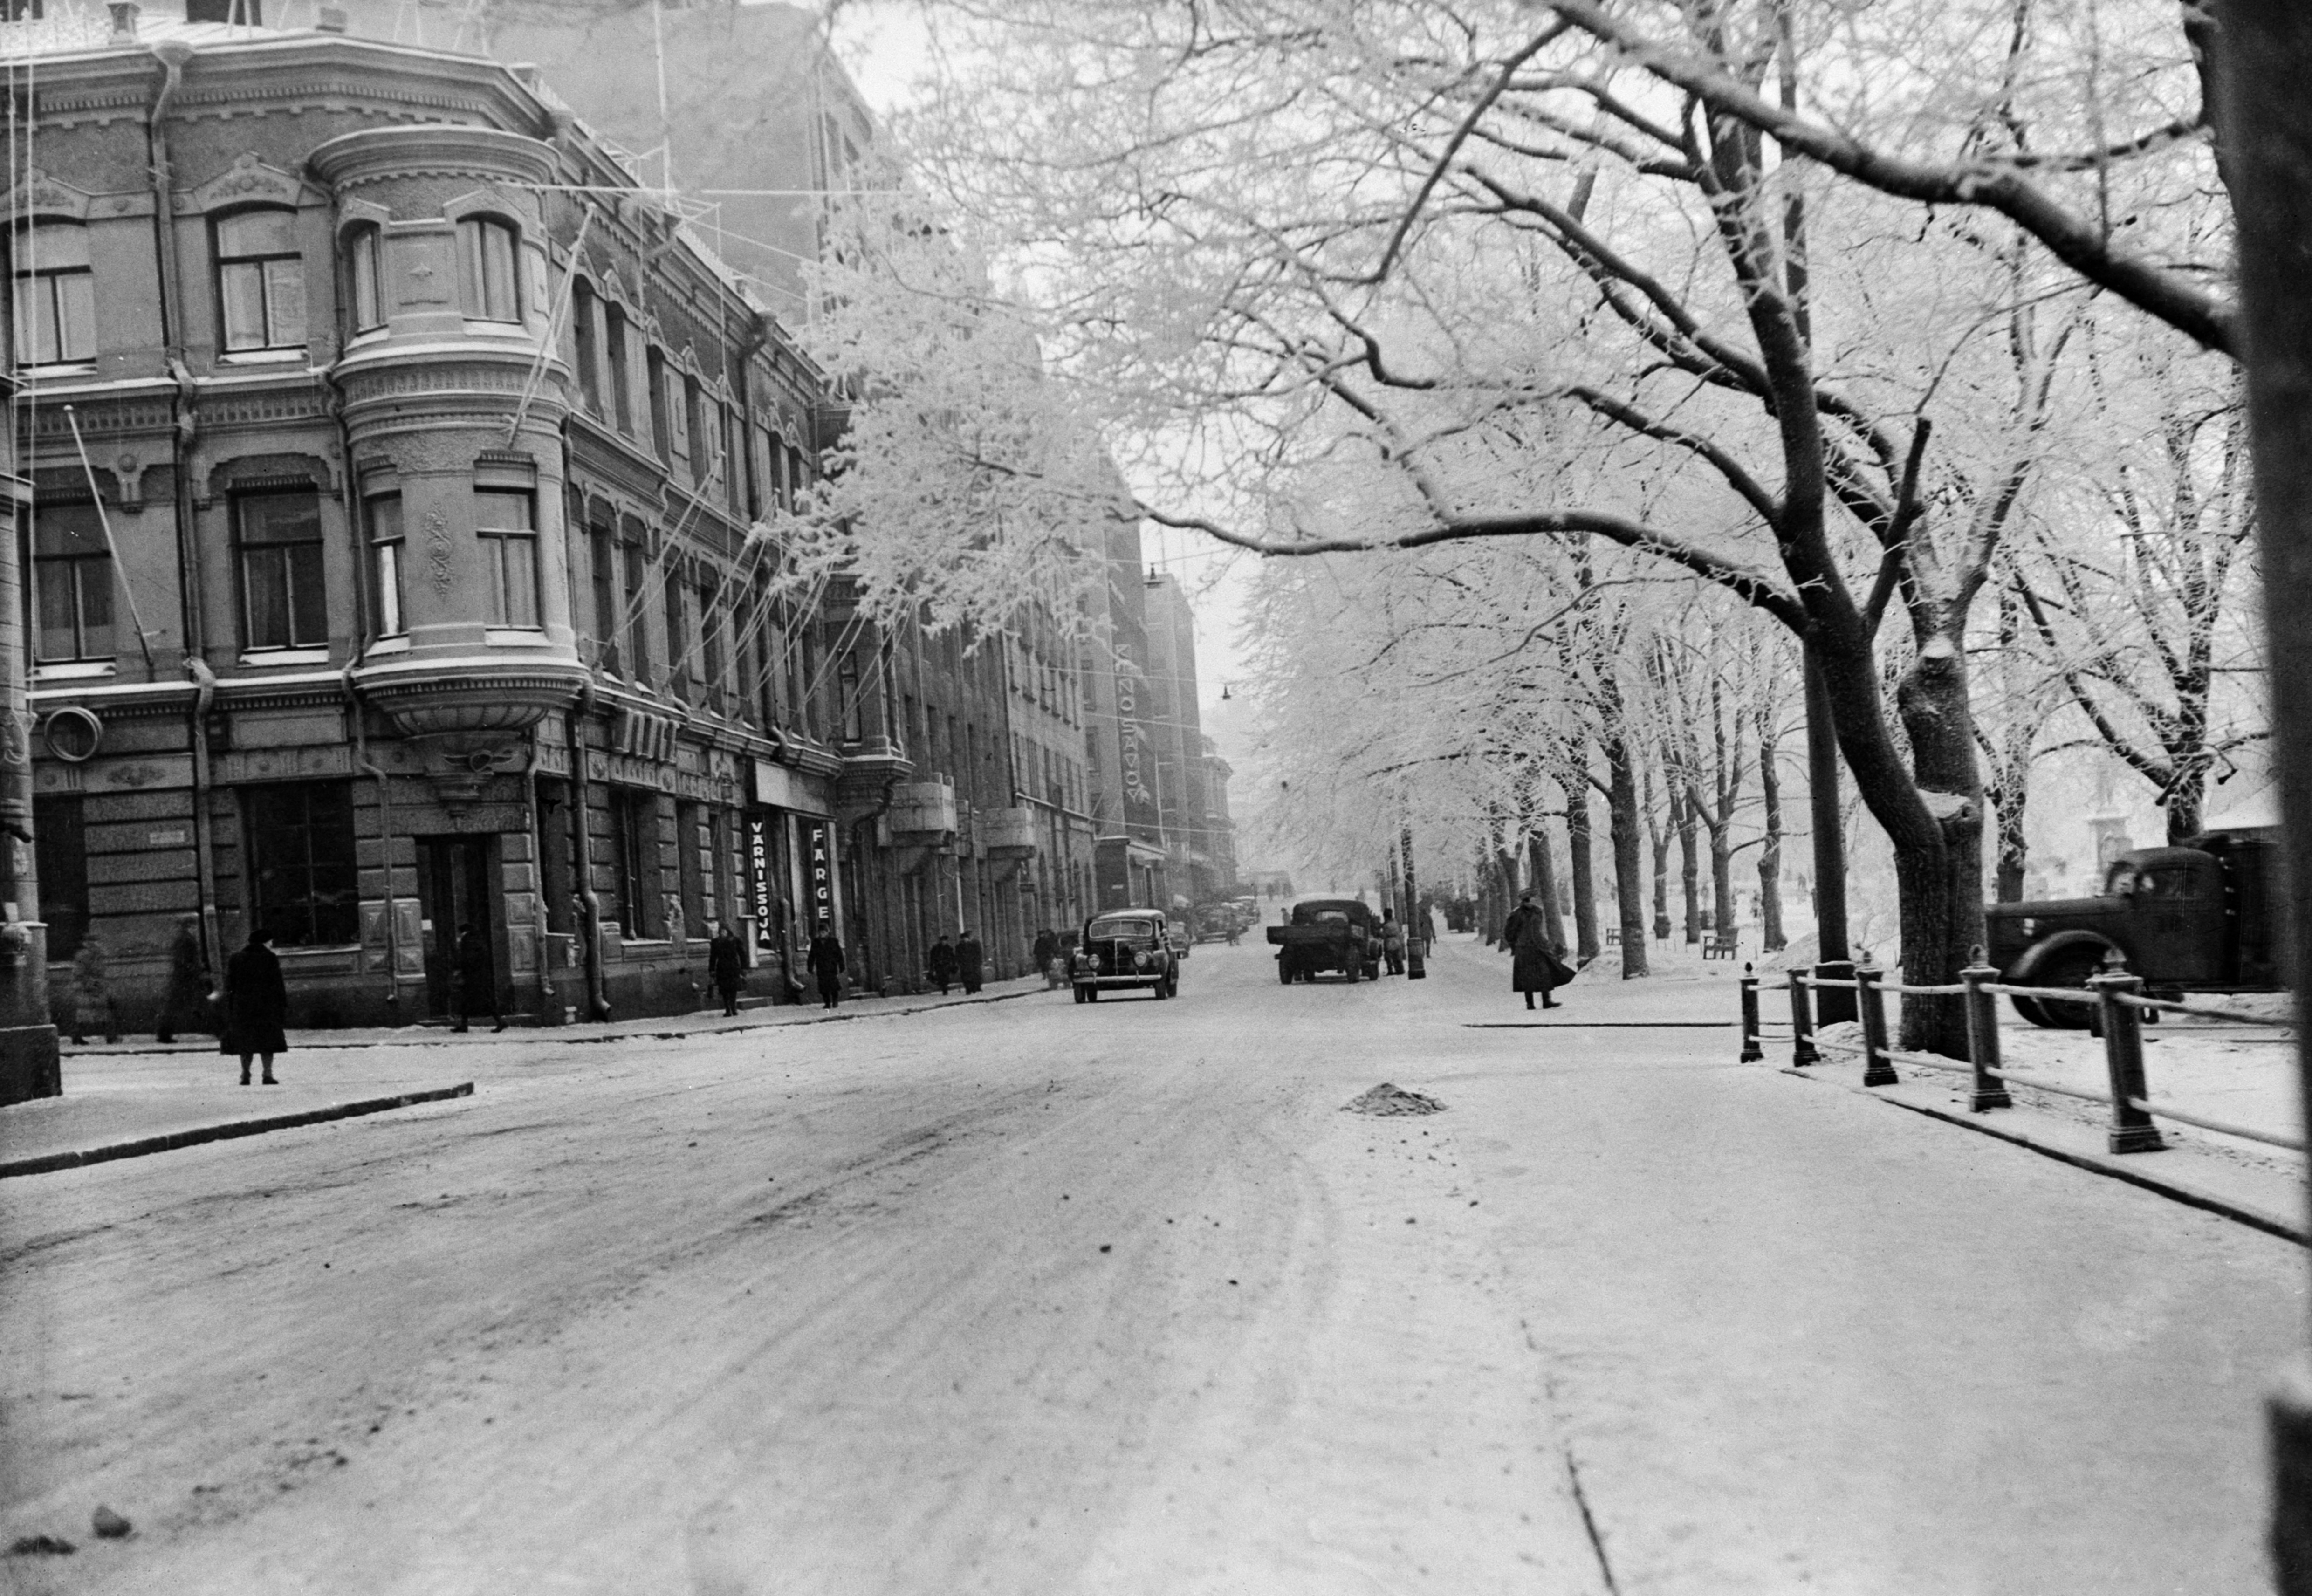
(941, 963)
(1046, 955)
(1536, 966)
(477, 982)
(256, 1002)
(970, 963)
(92, 991)
(184, 1005)
(726, 959)
(824, 961)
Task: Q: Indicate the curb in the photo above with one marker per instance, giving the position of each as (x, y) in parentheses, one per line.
(428, 1036)
(2181, 1191)
(48, 1164)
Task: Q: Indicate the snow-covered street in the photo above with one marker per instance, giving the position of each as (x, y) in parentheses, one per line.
(1030, 1297)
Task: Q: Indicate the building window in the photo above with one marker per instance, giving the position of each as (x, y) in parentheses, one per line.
(304, 886)
(362, 262)
(638, 635)
(60, 853)
(602, 571)
(696, 426)
(633, 849)
(505, 519)
(710, 634)
(654, 371)
(283, 602)
(72, 581)
(622, 391)
(849, 687)
(385, 554)
(261, 281)
(581, 333)
(488, 278)
(56, 295)
(678, 638)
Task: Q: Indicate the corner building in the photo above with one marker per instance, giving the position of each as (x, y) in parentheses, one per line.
(393, 464)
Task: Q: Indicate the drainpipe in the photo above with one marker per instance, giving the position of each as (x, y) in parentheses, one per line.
(172, 54)
(590, 935)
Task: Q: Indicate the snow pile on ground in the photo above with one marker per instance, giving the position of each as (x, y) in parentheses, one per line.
(1387, 1099)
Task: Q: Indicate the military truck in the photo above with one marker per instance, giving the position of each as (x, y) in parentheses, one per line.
(2201, 917)
(1340, 933)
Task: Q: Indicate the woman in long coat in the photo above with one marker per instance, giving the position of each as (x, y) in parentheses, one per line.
(970, 961)
(1536, 966)
(256, 1002)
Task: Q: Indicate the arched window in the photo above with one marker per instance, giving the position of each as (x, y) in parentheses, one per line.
(260, 281)
(488, 277)
(362, 247)
(55, 295)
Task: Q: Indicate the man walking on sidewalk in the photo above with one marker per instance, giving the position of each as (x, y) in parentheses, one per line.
(970, 961)
(825, 962)
(256, 1002)
(726, 957)
(1536, 966)
(940, 963)
(477, 986)
(184, 1007)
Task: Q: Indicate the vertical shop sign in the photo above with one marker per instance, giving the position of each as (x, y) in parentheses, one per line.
(760, 888)
(822, 872)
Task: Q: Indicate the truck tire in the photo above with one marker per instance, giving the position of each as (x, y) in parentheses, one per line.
(1285, 971)
(2066, 966)
(1352, 966)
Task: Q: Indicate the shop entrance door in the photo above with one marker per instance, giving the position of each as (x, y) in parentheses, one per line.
(453, 889)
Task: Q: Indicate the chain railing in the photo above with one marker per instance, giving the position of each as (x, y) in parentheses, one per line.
(2119, 1007)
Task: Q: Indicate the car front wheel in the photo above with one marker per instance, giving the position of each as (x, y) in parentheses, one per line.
(2069, 967)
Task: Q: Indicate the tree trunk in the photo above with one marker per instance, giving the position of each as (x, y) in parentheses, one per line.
(1940, 887)
(1629, 856)
(1771, 939)
(2013, 852)
(1505, 864)
(1689, 866)
(1721, 879)
(1658, 834)
(1585, 880)
(1545, 886)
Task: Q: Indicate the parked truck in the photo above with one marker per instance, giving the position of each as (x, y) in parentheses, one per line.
(2201, 917)
(1327, 933)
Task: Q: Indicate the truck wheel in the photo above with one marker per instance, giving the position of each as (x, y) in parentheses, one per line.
(1284, 972)
(1161, 994)
(2069, 967)
(1350, 966)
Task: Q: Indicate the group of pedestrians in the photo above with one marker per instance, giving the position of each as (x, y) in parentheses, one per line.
(963, 960)
(248, 1010)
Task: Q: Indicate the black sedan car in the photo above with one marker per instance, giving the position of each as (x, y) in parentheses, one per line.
(1125, 948)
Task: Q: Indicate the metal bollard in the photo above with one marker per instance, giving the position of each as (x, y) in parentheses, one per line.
(1878, 1069)
(1802, 1048)
(1983, 1037)
(1752, 1052)
(2131, 1130)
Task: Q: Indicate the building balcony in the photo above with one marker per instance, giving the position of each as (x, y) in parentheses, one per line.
(468, 697)
(1009, 833)
(921, 813)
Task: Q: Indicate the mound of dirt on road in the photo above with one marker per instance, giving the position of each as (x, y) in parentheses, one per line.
(1387, 1099)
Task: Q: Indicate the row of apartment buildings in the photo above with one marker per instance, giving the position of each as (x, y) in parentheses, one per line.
(398, 466)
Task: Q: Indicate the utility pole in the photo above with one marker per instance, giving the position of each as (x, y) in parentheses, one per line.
(28, 1038)
(2261, 49)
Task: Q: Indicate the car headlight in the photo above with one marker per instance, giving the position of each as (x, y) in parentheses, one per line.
(1143, 960)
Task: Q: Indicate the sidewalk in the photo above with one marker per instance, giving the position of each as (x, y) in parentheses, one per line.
(130, 1099)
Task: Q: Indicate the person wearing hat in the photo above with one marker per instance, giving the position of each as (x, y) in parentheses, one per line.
(1536, 966)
